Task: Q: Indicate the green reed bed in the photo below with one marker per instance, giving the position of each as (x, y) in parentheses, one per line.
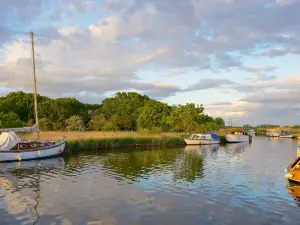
(106, 143)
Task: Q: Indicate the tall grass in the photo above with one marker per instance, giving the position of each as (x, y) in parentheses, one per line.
(105, 140)
(105, 143)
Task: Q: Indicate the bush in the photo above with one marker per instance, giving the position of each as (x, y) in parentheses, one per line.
(75, 123)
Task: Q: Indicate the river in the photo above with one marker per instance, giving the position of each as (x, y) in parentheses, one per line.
(230, 184)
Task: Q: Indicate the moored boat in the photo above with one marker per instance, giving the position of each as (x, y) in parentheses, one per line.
(292, 175)
(13, 148)
(272, 133)
(202, 139)
(251, 132)
(285, 134)
(236, 136)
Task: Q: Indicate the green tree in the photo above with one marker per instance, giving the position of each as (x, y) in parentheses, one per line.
(75, 123)
(10, 120)
(97, 122)
(202, 119)
(45, 124)
(185, 117)
(220, 122)
(124, 107)
(153, 117)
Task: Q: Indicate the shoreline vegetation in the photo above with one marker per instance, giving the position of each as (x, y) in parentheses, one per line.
(87, 140)
(126, 119)
(108, 140)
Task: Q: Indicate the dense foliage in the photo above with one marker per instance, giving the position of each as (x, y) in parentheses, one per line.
(125, 111)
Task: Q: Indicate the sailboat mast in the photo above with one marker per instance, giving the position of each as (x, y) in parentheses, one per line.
(34, 81)
(289, 110)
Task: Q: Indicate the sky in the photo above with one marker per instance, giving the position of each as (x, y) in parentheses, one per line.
(238, 58)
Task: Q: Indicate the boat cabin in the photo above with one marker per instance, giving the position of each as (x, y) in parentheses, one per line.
(237, 132)
(204, 136)
(9, 141)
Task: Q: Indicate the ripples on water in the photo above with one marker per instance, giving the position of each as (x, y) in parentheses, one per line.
(231, 184)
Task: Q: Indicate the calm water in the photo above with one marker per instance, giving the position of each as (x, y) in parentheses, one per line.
(232, 184)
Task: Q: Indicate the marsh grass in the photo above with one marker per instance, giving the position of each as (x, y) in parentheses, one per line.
(106, 143)
(107, 140)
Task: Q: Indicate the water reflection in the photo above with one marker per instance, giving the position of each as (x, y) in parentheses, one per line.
(294, 191)
(203, 148)
(25, 175)
(236, 147)
(190, 165)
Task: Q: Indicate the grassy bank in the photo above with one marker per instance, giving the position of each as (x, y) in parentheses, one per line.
(107, 140)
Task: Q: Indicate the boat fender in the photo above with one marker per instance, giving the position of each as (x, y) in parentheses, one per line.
(38, 153)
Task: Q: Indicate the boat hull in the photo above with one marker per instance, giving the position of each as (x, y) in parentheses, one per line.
(273, 135)
(57, 149)
(251, 133)
(201, 142)
(286, 136)
(231, 138)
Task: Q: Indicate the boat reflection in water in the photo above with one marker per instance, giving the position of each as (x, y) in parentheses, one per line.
(16, 176)
(212, 147)
(237, 147)
(294, 191)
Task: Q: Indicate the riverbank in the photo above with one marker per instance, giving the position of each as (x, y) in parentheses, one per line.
(108, 140)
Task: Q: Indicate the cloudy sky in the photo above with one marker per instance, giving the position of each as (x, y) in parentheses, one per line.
(239, 58)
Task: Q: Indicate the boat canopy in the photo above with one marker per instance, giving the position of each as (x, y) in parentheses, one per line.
(34, 128)
(8, 140)
(213, 135)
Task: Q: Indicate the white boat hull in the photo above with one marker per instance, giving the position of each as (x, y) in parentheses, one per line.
(236, 138)
(273, 135)
(201, 142)
(286, 136)
(15, 155)
(251, 133)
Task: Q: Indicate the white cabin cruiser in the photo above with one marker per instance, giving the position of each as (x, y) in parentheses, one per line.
(236, 136)
(203, 139)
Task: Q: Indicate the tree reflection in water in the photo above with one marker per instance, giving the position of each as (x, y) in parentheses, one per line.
(184, 165)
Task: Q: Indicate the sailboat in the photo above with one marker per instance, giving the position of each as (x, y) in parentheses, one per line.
(13, 148)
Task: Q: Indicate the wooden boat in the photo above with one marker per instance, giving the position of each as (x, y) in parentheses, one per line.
(292, 175)
(13, 148)
(202, 139)
(236, 136)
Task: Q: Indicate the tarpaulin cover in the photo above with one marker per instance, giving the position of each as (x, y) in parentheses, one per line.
(8, 140)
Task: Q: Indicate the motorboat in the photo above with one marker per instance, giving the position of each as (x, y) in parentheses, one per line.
(272, 133)
(236, 136)
(285, 134)
(251, 132)
(202, 139)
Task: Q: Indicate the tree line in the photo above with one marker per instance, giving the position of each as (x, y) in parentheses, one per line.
(126, 111)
